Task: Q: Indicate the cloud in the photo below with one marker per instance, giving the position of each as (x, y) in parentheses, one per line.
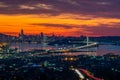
(95, 8)
(44, 6)
(65, 26)
(69, 1)
(26, 7)
(36, 6)
(103, 3)
(2, 5)
(102, 30)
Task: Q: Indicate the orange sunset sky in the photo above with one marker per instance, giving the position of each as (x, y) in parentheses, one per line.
(62, 17)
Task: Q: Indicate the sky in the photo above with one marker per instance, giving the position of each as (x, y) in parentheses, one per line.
(61, 17)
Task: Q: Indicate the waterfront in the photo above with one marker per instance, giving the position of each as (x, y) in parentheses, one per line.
(34, 62)
(101, 49)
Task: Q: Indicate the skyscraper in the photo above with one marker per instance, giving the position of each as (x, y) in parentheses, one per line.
(21, 34)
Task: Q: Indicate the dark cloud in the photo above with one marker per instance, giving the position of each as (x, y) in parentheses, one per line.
(96, 8)
(102, 30)
(112, 29)
(65, 26)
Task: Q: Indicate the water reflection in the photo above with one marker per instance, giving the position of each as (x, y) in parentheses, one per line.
(101, 50)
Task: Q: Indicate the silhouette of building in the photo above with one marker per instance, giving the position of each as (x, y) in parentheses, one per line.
(41, 34)
(21, 34)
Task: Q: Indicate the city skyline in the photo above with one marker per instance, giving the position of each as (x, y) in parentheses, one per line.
(62, 17)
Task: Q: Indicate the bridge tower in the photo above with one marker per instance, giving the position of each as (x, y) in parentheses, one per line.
(87, 41)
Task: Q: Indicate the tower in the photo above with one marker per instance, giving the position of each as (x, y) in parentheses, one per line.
(41, 34)
(21, 34)
(87, 40)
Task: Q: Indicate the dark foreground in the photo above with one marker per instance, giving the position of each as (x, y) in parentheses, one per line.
(43, 67)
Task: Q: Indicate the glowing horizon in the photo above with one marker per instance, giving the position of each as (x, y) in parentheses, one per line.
(67, 19)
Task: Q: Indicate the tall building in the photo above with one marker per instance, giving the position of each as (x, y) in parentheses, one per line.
(21, 34)
(41, 34)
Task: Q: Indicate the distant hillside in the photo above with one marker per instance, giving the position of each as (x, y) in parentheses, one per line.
(4, 37)
(106, 39)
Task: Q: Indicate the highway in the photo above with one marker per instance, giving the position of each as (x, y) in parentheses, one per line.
(85, 75)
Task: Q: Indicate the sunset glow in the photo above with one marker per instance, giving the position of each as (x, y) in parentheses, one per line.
(50, 18)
